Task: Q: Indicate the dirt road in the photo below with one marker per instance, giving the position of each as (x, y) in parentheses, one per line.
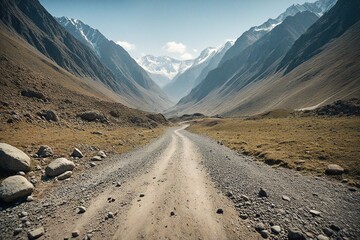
(166, 190)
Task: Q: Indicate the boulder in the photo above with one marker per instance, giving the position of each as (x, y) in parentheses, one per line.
(15, 187)
(59, 166)
(77, 153)
(65, 175)
(13, 159)
(92, 115)
(45, 151)
(33, 94)
(334, 169)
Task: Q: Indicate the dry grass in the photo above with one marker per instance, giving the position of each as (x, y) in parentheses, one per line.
(303, 143)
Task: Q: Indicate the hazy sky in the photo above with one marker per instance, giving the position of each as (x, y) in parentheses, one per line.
(176, 28)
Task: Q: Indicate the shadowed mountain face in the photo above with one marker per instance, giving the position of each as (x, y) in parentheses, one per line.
(137, 84)
(34, 24)
(254, 62)
(255, 33)
(331, 26)
(251, 83)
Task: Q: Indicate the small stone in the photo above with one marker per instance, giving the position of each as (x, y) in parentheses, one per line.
(229, 194)
(172, 213)
(246, 198)
(35, 234)
(21, 173)
(110, 215)
(96, 158)
(322, 237)
(328, 232)
(352, 189)
(75, 233)
(17, 231)
(220, 211)
(315, 213)
(259, 227)
(295, 234)
(118, 184)
(276, 229)
(81, 209)
(244, 216)
(142, 195)
(286, 198)
(334, 169)
(45, 151)
(77, 153)
(334, 227)
(23, 214)
(30, 199)
(264, 233)
(92, 164)
(263, 193)
(64, 175)
(101, 154)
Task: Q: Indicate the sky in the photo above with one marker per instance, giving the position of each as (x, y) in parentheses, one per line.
(175, 28)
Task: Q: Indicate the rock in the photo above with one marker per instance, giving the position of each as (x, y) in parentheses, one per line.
(335, 228)
(101, 154)
(23, 214)
(142, 195)
(17, 231)
(35, 234)
(81, 209)
(92, 164)
(172, 213)
(259, 227)
(286, 198)
(294, 234)
(263, 193)
(59, 166)
(45, 151)
(315, 213)
(246, 198)
(244, 216)
(322, 237)
(110, 215)
(92, 115)
(75, 233)
(13, 159)
(276, 229)
(97, 133)
(220, 211)
(65, 175)
(21, 173)
(96, 158)
(352, 189)
(33, 94)
(328, 232)
(77, 153)
(30, 199)
(334, 169)
(15, 187)
(51, 115)
(264, 233)
(118, 184)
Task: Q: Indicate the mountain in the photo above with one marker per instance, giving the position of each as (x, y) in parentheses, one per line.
(255, 33)
(251, 65)
(163, 69)
(331, 72)
(134, 81)
(207, 60)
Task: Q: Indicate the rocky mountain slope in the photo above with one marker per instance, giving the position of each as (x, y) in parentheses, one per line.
(133, 81)
(184, 82)
(163, 69)
(255, 33)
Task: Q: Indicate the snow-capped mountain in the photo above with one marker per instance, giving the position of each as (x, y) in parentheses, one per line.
(208, 59)
(255, 33)
(163, 69)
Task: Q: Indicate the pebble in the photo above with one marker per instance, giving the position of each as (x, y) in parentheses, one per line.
(75, 233)
(264, 233)
(244, 216)
(17, 231)
(315, 213)
(110, 215)
(81, 209)
(322, 237)
(219, 211)
(23, 214)
(259, 227)
(263, 193)
(142, 195)
(35, 234)
(30, 198)
(295, 234)
(92, 164)
(286, 198)
(172, 213)
(276, 229)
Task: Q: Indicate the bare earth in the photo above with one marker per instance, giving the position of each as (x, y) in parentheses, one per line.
(177, 174)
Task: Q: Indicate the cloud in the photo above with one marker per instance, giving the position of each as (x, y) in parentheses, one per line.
(186, 56)
(126, 45)
(195, 50)
(174, 47)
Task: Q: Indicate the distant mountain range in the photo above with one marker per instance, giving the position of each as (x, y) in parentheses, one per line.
(301, 63)
(163, 69)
